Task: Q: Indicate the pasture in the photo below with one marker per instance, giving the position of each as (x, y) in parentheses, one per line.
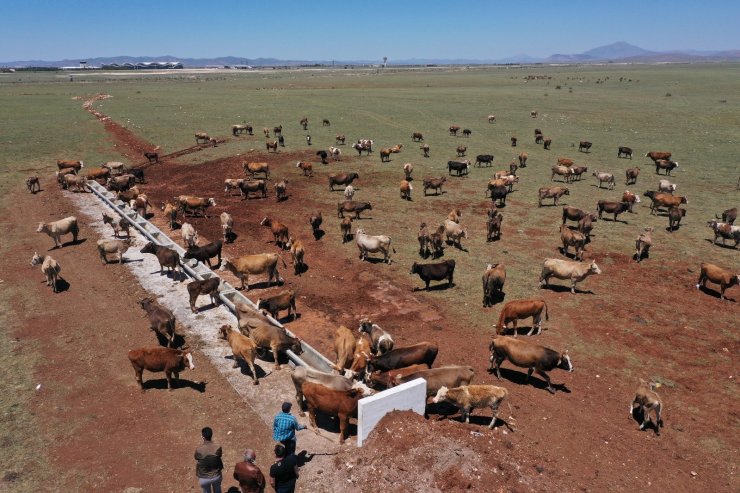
(632, 321)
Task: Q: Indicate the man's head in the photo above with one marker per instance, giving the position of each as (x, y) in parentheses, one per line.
(206, 433)
(279, 450)
(286, 407)
(250, 455)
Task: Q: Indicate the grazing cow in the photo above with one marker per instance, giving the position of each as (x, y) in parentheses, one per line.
(538, 137)
(584, 146)
(519, 310)
(297, 252)
(523, 156)
(498, 193)
(424, 240)
(373, 244)
(385, 155)
(245, 265)
(643, 243)
(513, 141)
(325, 123)
(335, 152)
(277, 130)
(664, 200)
(276, 340)
(252, 169)
(340, 403)
(454, 129)
(575, 214)
(233, 184)
(49, 267)
(227, 226)
(242, 348)
(435, 272)
(567, 269)
(493, 226)
(425, 150)
(491, 118)
(646, 400)
(346, 228)
(469, 397)
(466, 132)
(631, 175)
(266, 132)
(194, 205)
(718, 275)
(281, 190)
(728, 216)
(408, 168)
(525, 354)
(161, 320)
(380, 341)
(170, 361)
(461, 150)
(279, 231)
(253, 186)
(56, 229)
(417, 137)
(421, 353)
(564, 171)
(460, 167)
(170, 212)
(207, 287)
(344, 348)
(630, 198)
(304, 123)
(486, 159)
(509, 181)
(342, 179)
(340, 138)
(350, 206)
(674, 217)
(665, 165)
(116, 167)
(571, 238)
(202, 138)
(564, 161)
(119, 247)
(493, 283)
(205, 253)
(33, 185)
(238, 129)
(189, 235)
(655, 155)
(406, 189)
(454, 232)
(315, 221)
(435, 184)
(166, 258)
(437, 378)
(436, 241)
(725, 231)
(349, 192)
(306, 167)
(547, 143)
(666, 186)
(551, 193)
(272, 145)
(612, 207)
(627, 151)
(281, 301)
(70, 163)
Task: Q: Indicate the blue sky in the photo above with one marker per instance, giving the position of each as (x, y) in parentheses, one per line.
(347, 30)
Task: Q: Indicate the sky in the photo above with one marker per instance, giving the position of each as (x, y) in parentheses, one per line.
(354, 30)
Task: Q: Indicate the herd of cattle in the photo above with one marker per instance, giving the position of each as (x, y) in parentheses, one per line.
(372, 362)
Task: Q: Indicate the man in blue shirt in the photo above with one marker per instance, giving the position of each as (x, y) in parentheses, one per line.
(284, 427)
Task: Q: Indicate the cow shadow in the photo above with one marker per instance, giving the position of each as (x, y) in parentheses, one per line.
(301, 269)
(703, 289)
(79, 241)
(331, 424)
(264, 285)
(520, 378)
(205, 308)
(231, 237)
(180, 383)
(245, 370)
(643, 256)
(498, 297)
(265, 354)
(722, 245)
(559, 288)
(176, 226)
(521, 331)
(62, 285)
(375, 260)
(570, 254)
(178, 341)
(171, 274)
(623, 221)
(436, 194)
(437, 287)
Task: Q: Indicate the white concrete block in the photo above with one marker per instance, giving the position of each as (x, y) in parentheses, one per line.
(409, 396)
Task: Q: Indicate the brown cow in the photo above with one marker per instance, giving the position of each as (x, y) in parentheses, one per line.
(493, 226)
(306, 167)
(646, 400)
(434, 183)
(340, 403)
(350, 206)
(551, 193)
(344, 348)
(612, 207)
(297, 252)
(405, 188)
(643, 243)
(674, 217)
(424, 240)
(728, 216)
(167, 258)
(571, 238)
(170, 361)
(656, 155)
(271, 145)
(632, 174)
(664, 199)
(275, 339)
(281, 301)
(161, 320)
(253, 168)
(346, 228)
(243, 266)
(523, 156)
(436, 378)
(493, 283)
(281, 190)
(342, 179)
(519, 310)
(454, 129)
(391, 378)
(564, 161)
(242, 348)
(469, 397)
(70, 163)
(205, 287)
(718, 275)
(630, 198)
(278, 229)
(525, 354)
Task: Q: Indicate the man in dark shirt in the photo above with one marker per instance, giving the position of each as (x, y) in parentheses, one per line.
(208, 463)
(251, 479)
(284, 472)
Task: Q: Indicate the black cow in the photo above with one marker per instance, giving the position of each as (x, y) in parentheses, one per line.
(461, 167)
(499, 193)
(323, 155)
(205, 287)
(435, 272)
(138, 174)
(584, 146)
(484, 158)
(627, 151)
(611, 207)
(205, 253)
(153, 157)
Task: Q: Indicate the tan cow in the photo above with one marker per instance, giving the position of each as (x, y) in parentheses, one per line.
(118, 247)
(58, 228)
(469, 397)
(646, 400)
(344, 348)
(567, 269)
(243, 266)
(643, 243)
(297, 252)
(253, 169)
(242, 347)
(493, 282)
(49, 267)
(571, 238)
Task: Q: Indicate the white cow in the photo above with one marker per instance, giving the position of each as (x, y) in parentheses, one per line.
(58, 228)
(373, 244)
(49, 267)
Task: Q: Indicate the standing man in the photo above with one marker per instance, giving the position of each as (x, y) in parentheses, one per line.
(284, 472)
(249, 476)
(284, 427)
(208, 463)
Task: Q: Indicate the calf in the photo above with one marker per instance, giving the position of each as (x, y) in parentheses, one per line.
(161, 320)
(349, 192)
(643, 244)
(718, 275)
(50, 268)
(567, 269)
(436, 241)
(585, 225)
(493, 226)
(493, 283)
(435, 272)
(56, 229)
(166, 257)
(119, 247)
(278, 229)
(281, 301)
(170, 212)
(631, 175)
(674, 217)
(227, 226)
(189, 235)
(547, 143)
(524, 354)
(425, 150)
(646, 400)
(281, 190)
(205, 253)
(242, 348)
(170, 361)
(306, 167)
(315, 221)
(297, 252)
(612, 207)
(207, 287)
(118, 225)
(469, 397)
(346, 228)
(519, 310)
(626, 151)
(729, 215)
(340, 403)
(33, 185)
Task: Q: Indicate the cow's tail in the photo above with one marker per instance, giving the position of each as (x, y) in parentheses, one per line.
(547, 317)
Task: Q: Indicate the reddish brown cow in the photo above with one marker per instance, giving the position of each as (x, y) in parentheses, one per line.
(718, 275)
(340, 403)
(519, 310)
(170, 361)
(657, 155)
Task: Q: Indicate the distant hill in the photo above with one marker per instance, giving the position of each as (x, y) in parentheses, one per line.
(615, 52)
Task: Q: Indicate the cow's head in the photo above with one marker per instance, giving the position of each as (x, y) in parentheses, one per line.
(363, 389)
(148, 248)
(297, 347)
(735, 280)
(415, 268)
(684, 200)
(564, 363)
(212, 202)
(441, 395)
(41, 228)
(37, 259)
(359, 231)
(593, 268)
(187, 356)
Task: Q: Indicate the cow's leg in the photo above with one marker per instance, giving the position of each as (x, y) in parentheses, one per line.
(139, 377)
(465, 414)
(312, 419)
(275, 355)
(573, 282)
(498, 361)
(494, 408)
(658, 420)
(250, 362)
(343, 422)
(547, 379)
(168, 376)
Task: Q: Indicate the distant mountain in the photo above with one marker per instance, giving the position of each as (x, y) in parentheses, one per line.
(617, 50)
